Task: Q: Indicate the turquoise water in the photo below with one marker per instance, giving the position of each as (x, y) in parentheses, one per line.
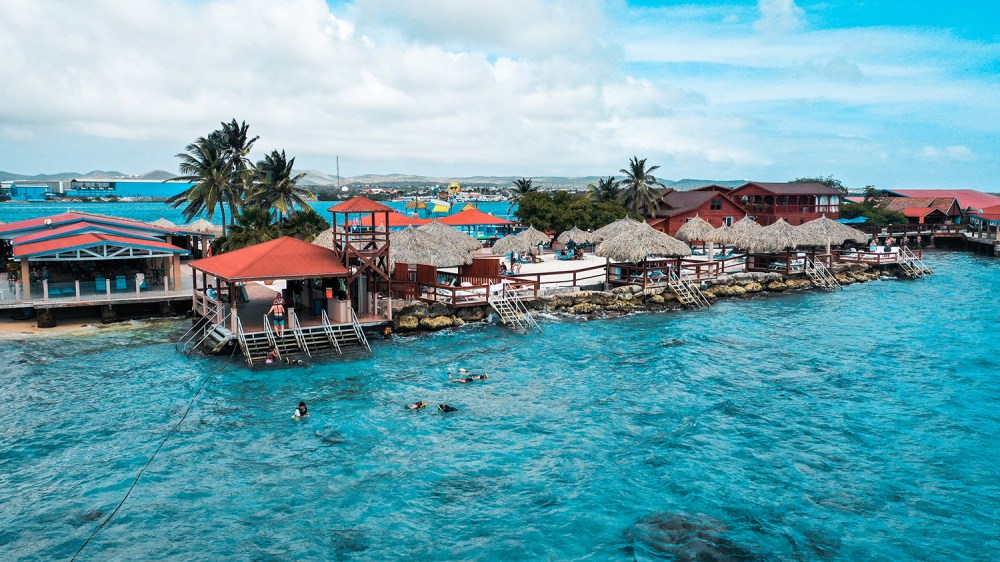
(860, 425)
(151, 211)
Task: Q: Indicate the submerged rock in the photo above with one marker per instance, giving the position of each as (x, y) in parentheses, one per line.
(680, 537)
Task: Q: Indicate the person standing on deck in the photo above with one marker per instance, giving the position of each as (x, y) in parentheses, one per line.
(278, 310)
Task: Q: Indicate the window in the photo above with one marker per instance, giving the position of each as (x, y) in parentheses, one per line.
(728, 221)
(716, 205)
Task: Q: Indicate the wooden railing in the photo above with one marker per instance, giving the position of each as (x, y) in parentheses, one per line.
(569, 277)
(873, 258)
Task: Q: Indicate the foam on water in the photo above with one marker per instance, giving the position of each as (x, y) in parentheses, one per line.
(861, 424)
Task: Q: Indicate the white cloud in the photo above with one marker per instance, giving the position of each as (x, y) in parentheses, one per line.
(778, 16)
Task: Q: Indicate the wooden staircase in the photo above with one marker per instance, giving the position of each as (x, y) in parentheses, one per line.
(821, 276)
(511, 310)
(912, 266)
(688, 293)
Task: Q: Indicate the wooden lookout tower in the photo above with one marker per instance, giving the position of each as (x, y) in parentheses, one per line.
(361, 240)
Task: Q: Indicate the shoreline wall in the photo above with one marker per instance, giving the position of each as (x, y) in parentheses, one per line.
(420, 316)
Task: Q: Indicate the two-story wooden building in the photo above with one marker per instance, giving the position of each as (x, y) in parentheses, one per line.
(710, 203)
(795, 202)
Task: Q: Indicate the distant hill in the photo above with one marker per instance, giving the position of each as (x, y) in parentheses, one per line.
(62, 176)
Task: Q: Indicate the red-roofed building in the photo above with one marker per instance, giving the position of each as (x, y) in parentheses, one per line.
(948, 207)
(678, 207)
(360, 204)
(283, 258)
(396, 220)
(924, 215)
(969, 200)
(796, 202)
(478, 224)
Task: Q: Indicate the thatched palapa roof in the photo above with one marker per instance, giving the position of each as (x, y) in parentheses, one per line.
(534, 236)
(412, 245)
(451, 236)
(695, 229)
(577, 236)
(163, 223)
(609, 231)
(777, 237)
(832, 232)
(202, 225)
(511, 243)
(741, 229)
(640, 243)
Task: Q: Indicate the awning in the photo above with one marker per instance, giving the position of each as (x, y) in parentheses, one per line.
(284, 258)
(90, 247)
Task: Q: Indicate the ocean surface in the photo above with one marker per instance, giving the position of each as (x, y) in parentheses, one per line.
(151, 211)
(857, 425)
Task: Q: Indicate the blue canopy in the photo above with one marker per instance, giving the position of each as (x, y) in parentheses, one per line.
(855, 220)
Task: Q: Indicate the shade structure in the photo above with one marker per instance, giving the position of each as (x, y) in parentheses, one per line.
(324, 239)
(695, 229)
(609, 231)
(832, 232)
(534, 236)
(416, 204)
(511, 243)
(741, 229)
(445, 234)
(411, 245)
(163, 223)
(202, 225)
(777, 237)
(641, 243)
(282, 258)
(577, 236)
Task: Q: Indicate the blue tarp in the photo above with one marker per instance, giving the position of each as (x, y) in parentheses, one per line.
(855, 220)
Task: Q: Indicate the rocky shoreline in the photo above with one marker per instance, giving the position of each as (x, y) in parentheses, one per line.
(420, 316)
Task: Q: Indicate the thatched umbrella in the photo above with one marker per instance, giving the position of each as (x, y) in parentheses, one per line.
(576, 236)
(696, 229)
(416, 204)
(511, 243)
(411, 245)
(640, 243)
(609, 231)
(735, 234)
(163, 223)
(202, 225)
(324, 239)
(534, 236)
(832, 232)
(451, 236)
(776, 237)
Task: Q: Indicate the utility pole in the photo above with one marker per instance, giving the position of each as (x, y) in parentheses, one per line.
(338, 171)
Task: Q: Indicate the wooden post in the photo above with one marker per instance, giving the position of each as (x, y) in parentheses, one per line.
(25, 279)
(77, 289)
(232, 306)
(176, 271)
(45, 290)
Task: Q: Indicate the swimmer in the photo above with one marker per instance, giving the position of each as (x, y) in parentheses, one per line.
(417, 405)
(294, 361)
(463, 380)
(481, 377)
(387, 333)
(273, 355)
(446, 408)
(301, 412)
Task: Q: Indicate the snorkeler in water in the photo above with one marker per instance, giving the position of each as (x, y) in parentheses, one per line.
(446, 408)
(416, 405)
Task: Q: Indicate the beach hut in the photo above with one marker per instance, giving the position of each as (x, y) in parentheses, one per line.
(609, 231)
(449, 235)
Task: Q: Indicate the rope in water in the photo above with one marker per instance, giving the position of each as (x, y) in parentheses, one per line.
(150, 461)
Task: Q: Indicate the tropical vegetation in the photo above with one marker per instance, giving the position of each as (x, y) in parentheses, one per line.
(606, 190)
(639, 194)
(561, 211)
(257, 202)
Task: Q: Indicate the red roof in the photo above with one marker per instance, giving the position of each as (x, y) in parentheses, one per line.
(361, 204)
(395, 220)
(967, 198)
(471, 217)
(990, 213)
(791, 188)
(284, 258)
(83, 227)
(28, 226)
(919, 212)
(80, 241)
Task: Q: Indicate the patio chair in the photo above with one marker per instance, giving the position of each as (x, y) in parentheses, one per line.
(120, 283)
(100, 285)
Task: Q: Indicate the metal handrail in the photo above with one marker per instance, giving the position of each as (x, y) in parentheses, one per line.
(297, 331)
(357, 329)
(328, 328)
(269, 333)
(241, 336)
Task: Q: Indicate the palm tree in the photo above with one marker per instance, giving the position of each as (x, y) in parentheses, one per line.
(253, 226)
(605, 191)
(274, 186)
(521, 188)
(638, 195)
(205, 163)
(236, 138)
(304, 224)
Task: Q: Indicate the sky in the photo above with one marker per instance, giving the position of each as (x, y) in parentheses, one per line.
(891, 93)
